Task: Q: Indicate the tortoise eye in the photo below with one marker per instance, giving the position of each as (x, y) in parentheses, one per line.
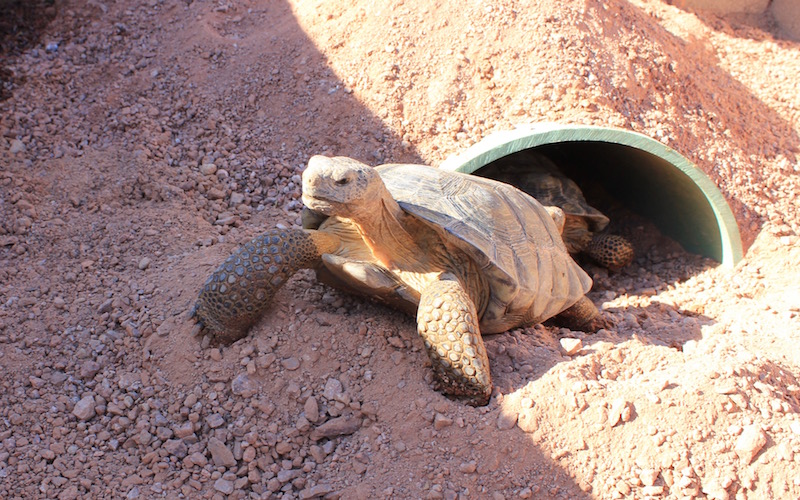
(343, 181)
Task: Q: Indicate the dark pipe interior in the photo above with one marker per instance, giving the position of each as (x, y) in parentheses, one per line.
(643, 183)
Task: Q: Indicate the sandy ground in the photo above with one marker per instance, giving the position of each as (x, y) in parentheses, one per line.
(140, 142)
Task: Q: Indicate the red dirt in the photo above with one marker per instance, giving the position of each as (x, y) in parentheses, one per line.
(109, 226)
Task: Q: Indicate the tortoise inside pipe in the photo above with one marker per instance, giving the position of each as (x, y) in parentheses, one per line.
(466, 255)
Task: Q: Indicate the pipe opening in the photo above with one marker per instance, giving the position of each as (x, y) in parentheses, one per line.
(640, 173)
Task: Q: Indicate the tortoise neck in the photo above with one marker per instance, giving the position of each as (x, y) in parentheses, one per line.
(385, 231)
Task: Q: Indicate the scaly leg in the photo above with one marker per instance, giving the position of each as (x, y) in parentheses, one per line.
(237, 293)
(610, 251)
(583, 316)
(448, 323)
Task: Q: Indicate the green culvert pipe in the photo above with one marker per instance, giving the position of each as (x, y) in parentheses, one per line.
(643, 174)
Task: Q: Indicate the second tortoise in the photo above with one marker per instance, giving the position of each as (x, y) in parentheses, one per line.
(584, 225)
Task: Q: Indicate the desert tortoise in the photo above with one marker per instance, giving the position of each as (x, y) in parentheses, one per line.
(468, 255)
(538, 176)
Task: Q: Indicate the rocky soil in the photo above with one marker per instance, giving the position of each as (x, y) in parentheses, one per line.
(141, 141)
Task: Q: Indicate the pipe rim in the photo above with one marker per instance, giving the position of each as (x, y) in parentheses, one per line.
(503, 143)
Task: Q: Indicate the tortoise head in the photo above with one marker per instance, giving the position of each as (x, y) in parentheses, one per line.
(341, 186)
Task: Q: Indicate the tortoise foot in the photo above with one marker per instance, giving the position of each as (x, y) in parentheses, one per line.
(583, 316)
(447, 322)
(611, 251)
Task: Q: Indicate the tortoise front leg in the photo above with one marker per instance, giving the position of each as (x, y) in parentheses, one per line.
(448, 323)
(237, 293)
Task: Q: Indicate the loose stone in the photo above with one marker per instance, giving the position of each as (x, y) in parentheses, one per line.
(750, 443)
(220, 454)
(85, 408)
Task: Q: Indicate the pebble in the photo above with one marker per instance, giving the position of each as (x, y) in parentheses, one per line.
(176, 447)
(750, 442)
(571, 346)
(317, 491)
(311, 409)
(236, 199)
(223, 486)
(620, 412)
(339, 426)
(89, 369)
(526, 420)
(244, 385)
(215, 420)
(208, 169)
(184, 430)
(507, 420)
(441, 421)
(291, 364)
(333, 388)
(196, 458)
(144, 263)
(648, 476)
(16, 146)
(468, 467)
(85, 408)
(221, 455)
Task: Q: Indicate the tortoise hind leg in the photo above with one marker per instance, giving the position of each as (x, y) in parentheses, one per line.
(237, 293)
(584, 316)
(610, 251)
(448, 323)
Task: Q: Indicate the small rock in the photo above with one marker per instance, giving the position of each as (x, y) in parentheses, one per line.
(571, 346)
(186, 429)
(653, 491)
(291, 364)
(144, 263)
(620, 412)
(220, 454)
(215, 194)
(750, 443)
(332, 389)
(208, 169)
(317, 491)
(311, 409)
(441, 421)
(506, 421)
(648, 476)
(17, 146)
(285, 476)
(283, 447)
(84, 409)
(195, 458)
(175, 447)
(223, 486)
(105, 307)
(468, 467)
(527, 421)
(71, 493)
(339, 426)
(236, 199)
(215, 420)
(302, 424)
(244, 386)
(89, 369)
